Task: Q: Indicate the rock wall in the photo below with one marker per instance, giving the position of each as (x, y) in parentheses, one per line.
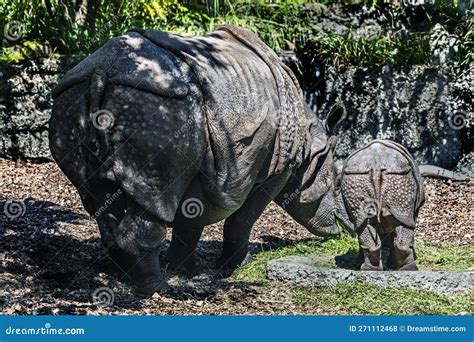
(427, 109)
(25, 106)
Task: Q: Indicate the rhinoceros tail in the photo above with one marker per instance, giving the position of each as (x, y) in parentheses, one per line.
(101, 119)
(376, 179)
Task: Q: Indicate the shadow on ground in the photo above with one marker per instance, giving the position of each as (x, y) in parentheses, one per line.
(54, 255)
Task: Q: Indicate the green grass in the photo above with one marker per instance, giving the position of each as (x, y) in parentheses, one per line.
(436, 257)
(254, 271)
(346, 50)
(361, 298)
(443, 257)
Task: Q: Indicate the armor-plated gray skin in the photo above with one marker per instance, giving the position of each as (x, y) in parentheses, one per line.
(216, 121)
(382, 191)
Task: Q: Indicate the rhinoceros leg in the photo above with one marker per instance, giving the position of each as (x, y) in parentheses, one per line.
(181, 252)
(371, 247)
(403, 250)
(105, 202)
(139, 237)
(237, 227)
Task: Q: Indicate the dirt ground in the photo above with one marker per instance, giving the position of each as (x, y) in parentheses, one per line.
(52, 260)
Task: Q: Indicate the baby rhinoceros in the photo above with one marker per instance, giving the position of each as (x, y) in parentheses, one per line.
(382, 192)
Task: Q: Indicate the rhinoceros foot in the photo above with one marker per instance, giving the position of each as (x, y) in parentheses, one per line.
(227, 266)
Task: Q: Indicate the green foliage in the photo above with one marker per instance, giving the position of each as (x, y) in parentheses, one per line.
(466, 29)
(346, 50)
(10, 55)
(278, 25)
(441, 257)
(67, 28)
(354, 298)
(25, 49)
(412, 49)
(60, 23)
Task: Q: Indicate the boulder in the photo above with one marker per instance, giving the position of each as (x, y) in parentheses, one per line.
(322, 270)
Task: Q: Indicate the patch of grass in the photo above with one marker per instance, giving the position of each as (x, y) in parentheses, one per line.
(26, 49)
(346, 50)
(436, 257)
(360, 298)
(254, 271)
(8, 55)
(443, 257)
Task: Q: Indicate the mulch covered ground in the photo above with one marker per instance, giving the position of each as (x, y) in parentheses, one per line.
(52, 260)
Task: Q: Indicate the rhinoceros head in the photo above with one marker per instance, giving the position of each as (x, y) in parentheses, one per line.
(309, 196)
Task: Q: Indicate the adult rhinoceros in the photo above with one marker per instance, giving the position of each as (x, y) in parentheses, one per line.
(157, 130)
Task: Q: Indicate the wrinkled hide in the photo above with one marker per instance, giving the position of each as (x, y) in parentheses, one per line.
(216, 123)
(236, 111)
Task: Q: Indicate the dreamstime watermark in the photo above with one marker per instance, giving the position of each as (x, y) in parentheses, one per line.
(13, 30)
(458, 120)
(103, 119)
(288, 198)
(46, 330)
(183, 129)
(462, 28)
(192, 208)
(110, 198)
(103, 296)
(14, 209)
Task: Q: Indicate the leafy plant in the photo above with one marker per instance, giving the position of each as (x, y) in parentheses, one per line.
(346, 50)
(24, 50)
(466, 28)
(80, 27)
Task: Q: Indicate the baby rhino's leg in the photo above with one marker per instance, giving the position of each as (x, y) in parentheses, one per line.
(403, 250)
(371, 247)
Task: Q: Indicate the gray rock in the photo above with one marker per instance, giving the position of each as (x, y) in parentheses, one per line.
(320, 270)
(413, 106)
(25, 106)
(437, 172)
(466, 165)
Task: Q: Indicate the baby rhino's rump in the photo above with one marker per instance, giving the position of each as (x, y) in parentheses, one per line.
(381, 179)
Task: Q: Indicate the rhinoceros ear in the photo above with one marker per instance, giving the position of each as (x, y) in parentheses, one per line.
(336, 114)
